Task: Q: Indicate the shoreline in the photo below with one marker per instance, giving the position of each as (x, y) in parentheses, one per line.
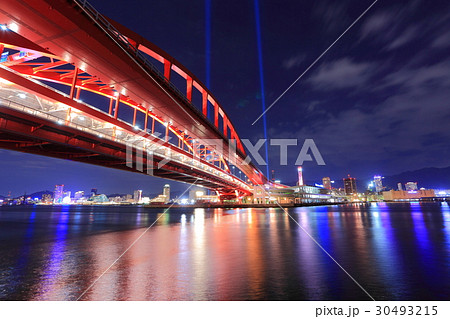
(224, 205)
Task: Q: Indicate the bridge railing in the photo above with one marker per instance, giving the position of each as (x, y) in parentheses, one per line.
(31, 104)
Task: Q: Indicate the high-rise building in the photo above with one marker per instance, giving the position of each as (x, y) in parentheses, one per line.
(78, 195)
(58, 194)
(273, 175)
(399, 186)
(326, 181)
(411, 186)
(300, 176)
(137, 196)
(166, 192)
(377, 180)
(350, 185)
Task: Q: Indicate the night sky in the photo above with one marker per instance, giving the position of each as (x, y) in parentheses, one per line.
(377, 103)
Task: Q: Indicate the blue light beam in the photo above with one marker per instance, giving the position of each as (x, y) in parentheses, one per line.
(261, 78)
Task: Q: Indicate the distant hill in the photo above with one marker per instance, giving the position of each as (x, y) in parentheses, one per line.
(430, 177)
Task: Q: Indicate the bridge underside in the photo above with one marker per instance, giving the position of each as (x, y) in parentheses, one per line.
(76, 85)
(24, 133)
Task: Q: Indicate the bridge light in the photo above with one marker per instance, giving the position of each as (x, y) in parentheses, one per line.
(13, 27)
(116, 94)
(5, 82)
(3, 27)
(22, 95)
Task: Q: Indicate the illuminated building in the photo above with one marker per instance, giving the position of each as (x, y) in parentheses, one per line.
(66, 197)
(350, 185)
(46, 198)
(300, 176)
(202, 197)
(78, 195)
(100, 198)
(166, 192)
(411, 186)
(58, 194)
(378, 183)
(326, 182)
(311, 194)
(399, 186)
(408, 195)
(137, 196)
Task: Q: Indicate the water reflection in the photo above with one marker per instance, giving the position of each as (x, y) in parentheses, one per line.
(395, 251)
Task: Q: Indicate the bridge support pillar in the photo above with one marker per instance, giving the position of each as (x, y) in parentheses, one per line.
(134, 116)
(116, 108)
(205, 103)
(166, 138)
(146, 119)
(111, 100)
(225, 126)
(216, 114)
(74, 83)
(167, 69)
(189, 88)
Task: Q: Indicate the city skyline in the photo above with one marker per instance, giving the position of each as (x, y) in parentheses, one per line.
(348, 184)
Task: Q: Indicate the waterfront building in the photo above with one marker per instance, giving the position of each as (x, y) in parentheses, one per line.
(94, 192)
(399, 186)
(338, 194)
(411, 186)
(67, 197)
(100, 198)
(78, 195)
(326, 182)
(260, 194)
(58, 194)
(311, 194)
(202, 197)
(292, 195)
(46, 198)
(350, 185)
(393, 195)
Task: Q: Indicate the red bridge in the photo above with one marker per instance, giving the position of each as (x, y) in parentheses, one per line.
(77, 85)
